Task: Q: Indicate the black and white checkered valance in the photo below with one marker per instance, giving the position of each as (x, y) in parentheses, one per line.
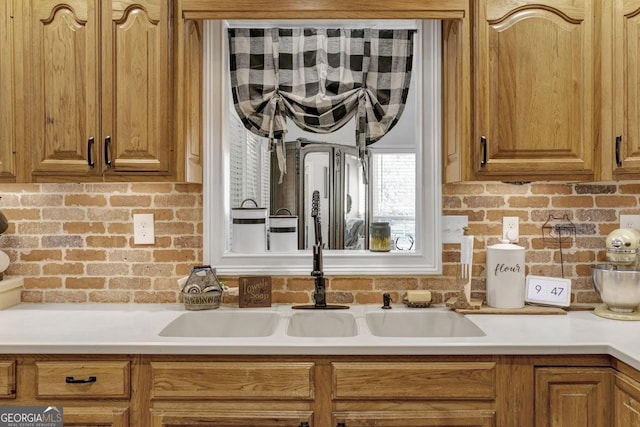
(320, 78)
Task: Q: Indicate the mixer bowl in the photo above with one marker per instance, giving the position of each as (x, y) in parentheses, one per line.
(618, 286)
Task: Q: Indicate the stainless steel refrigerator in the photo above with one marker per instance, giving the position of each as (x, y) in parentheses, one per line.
(337, 173)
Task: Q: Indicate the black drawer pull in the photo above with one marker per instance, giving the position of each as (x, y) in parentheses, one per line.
(71, 380)
(483, 144)
(90, 161)
(107, 158)
(618, 142)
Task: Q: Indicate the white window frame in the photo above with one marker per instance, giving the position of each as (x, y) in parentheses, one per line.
(427, 257)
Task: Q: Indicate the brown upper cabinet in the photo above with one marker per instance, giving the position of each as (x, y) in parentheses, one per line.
(99, 92)
(624, 138)
(112, 90)
(537, 82)
(8, 77)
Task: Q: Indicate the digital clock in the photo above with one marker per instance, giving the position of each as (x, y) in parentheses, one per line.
(548, 290)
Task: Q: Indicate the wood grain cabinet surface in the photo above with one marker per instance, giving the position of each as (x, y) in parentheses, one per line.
(414, 380)
(7, 379)
(83, 379)
(413, 393)
(92, 390)
(568, 397)
(112, 90)
(96, 416)
(232, 380)
(470, 418)
(99, 89)
(226, 392)
(8, 81)
(537, 86)
(230, 418)
(353, 391)
(623, 143)
(626, 401)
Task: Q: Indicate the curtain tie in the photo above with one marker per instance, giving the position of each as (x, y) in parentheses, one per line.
(278, 126)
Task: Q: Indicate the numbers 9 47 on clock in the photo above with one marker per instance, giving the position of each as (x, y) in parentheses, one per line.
(548, 290)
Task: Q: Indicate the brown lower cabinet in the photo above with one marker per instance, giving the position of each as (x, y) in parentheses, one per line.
(326, 391)
(567, 396)
(93, 391)
(626, 396)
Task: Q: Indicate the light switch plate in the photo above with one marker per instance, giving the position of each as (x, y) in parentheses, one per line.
(453, 227)
(630, 221)
(143, 229)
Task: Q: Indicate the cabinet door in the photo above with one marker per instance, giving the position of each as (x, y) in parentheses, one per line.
(7, 87)
(627, 402)
(62, 88)
(8, 379)
(470, 418)
(136, 88)
(537, 91)
(567, 397)
(169, 418)
(95, 416)
(625, 142)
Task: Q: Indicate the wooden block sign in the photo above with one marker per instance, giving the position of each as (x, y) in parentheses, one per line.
(254, 291)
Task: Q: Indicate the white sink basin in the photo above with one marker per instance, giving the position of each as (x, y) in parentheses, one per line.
(227, 324)
(320, 323)
(421, 324)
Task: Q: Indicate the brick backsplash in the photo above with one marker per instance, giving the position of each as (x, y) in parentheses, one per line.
(74, 242)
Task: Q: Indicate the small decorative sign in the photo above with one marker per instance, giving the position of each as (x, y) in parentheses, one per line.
(254, 291)
(548, 290)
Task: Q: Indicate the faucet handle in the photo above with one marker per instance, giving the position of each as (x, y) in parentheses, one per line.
(386, 301)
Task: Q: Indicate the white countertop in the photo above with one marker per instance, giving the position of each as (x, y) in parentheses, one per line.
(134, 328)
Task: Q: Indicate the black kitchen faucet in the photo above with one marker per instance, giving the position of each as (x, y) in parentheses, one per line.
(319, 294)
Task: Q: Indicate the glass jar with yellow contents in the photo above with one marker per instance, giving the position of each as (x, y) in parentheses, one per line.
(379, 237)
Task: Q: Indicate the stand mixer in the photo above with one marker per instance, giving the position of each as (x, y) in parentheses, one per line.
(618, 282)
(623, 247)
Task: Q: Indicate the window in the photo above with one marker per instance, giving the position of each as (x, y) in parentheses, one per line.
(422, 222)
(394, 194)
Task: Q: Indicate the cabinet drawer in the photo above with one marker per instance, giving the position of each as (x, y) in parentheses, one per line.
(428, 380)
(7, 380)
(83, 379)
(232, 380)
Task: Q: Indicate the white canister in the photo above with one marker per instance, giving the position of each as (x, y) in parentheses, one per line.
(249, 230)
(505, 275)
(283, 232)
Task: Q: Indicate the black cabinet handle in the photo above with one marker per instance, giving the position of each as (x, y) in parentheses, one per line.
(483, 142)
(107, 143)
(71, 380)
(90, 161)
(618, 143)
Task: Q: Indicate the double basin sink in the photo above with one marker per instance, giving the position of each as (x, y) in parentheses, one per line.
(237, 323)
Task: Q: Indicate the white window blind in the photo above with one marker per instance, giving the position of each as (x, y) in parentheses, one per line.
(250, 166)
(394, 192)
